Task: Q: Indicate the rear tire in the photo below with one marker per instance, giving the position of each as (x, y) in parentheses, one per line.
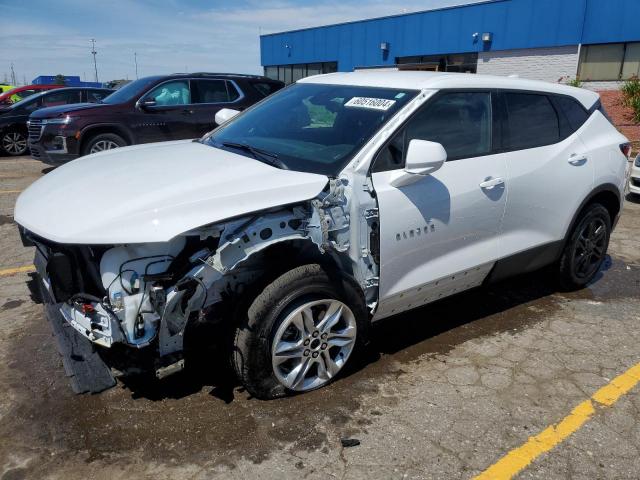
(102, 142)
(586, 248)
(14, 143)
(299, 333)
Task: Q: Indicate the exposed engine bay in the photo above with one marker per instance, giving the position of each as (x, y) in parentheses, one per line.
(143, 296)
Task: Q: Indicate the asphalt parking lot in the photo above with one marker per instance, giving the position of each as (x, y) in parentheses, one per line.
(519, 372)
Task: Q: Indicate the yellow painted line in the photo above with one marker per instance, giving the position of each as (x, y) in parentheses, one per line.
(519, 458)
(16, 270)
(9, 191)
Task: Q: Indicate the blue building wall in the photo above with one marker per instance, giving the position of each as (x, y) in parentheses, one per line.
(515, 24)
(69, 81)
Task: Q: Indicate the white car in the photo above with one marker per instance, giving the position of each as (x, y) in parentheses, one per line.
(334, 203)
(634, 178)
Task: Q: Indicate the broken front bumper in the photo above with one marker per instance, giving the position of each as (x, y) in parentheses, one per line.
(83, 364)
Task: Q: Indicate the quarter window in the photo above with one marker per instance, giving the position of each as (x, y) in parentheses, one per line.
(171, 93)
(532, 121)
(266, 88)
(573, 111)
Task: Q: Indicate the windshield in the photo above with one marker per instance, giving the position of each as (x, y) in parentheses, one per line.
(311, 127)
(130, 90)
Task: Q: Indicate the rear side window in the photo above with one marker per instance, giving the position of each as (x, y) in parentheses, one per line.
(61, 98)
(572, 110)
(532, 121)
(214, 91)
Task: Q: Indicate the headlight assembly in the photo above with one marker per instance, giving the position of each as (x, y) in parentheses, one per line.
(57, 121)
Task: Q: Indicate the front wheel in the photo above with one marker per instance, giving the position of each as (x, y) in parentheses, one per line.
(102, 142)
(299, 333)
(14, 143)
(586, 248)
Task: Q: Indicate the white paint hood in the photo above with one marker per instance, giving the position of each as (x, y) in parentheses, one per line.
(151, 193)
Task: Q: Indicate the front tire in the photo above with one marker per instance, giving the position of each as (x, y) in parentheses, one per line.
(586, 248)
(299, 333)
(102, 142)
(14, 143)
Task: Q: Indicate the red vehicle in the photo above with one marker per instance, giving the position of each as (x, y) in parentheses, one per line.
(19, 93)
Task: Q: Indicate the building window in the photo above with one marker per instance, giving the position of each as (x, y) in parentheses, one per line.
(463, 62)
(292, 73)
(612, 61)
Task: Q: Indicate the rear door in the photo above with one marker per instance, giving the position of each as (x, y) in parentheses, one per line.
(439, 235)
(550, 172)
(211, 95)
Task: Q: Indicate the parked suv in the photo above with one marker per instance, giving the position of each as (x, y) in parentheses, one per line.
(151, 109)
(13, 119)
(341, 200)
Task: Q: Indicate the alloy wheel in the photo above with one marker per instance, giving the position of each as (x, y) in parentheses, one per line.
(313, 343)
(14, 143)
(590, 248)
(103, 145)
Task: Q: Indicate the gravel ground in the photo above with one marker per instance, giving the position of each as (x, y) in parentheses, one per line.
(444, 392)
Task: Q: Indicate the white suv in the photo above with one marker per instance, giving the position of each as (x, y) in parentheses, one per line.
(340, 200)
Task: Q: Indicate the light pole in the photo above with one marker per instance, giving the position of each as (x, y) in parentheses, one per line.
(135, 59)
(94, 53)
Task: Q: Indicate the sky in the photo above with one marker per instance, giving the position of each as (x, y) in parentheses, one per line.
(47, 37)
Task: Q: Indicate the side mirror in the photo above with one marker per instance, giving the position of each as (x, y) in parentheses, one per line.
(422, 158)
(148, 103)
(225, 114)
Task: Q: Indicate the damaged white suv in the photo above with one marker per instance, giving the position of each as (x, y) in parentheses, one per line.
(341, 200)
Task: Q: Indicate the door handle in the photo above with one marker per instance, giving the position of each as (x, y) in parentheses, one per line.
(187, 112)
(577, 160)
(491, 182)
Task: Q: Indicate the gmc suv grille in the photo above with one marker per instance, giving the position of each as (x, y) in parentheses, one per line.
(35, 129)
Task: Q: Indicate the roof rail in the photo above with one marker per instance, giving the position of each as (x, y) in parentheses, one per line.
(219, 74)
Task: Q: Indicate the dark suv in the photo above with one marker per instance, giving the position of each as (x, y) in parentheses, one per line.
(151, 109)
(13, 118)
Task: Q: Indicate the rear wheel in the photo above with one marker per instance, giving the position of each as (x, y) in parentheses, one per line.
(586, 249)
(102, 142)
(14, 143)
(299, 333)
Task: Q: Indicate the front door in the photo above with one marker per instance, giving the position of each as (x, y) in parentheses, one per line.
(439, 235)
(171, 116)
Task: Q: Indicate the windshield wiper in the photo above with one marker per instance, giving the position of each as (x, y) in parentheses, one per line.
(260, 155)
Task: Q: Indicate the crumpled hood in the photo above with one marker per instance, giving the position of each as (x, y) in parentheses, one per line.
(151, 193)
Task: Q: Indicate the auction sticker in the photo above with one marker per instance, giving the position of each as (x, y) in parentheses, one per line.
(372, 103)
